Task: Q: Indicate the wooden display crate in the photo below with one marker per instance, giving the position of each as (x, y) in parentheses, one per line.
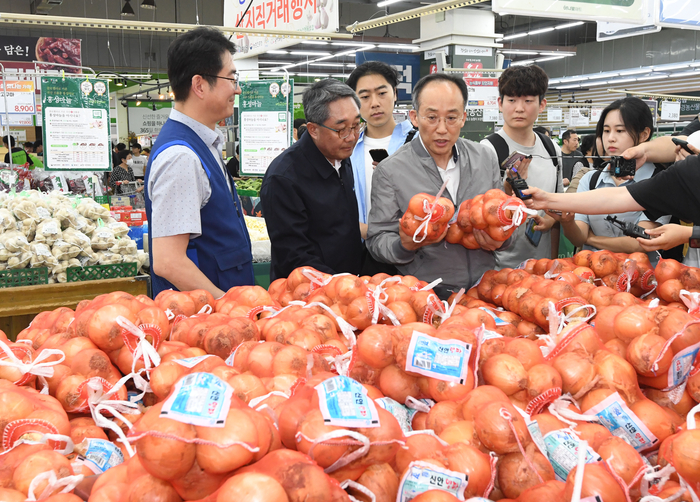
(19, 305)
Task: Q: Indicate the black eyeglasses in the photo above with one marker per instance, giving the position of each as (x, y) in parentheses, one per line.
(345, 131)
(234, 79)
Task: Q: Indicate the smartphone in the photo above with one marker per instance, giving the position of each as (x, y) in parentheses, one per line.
(513, 159)
(683, 144)
(534, 236)
(378, 154)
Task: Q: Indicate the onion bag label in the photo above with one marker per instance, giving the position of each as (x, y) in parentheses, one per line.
(402, 414)
(614, 415)
(101, 455)
(445, 360)
(422, 476)
(191, 362)
(344, 402)
(681, 366)
(199, 399)
(499, 321)
(536, 434)
(562, 451)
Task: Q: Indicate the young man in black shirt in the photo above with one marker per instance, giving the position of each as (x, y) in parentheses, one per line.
(570, 155)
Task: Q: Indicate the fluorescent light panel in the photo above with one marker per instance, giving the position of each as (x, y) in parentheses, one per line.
(309, 53)
(388, 2)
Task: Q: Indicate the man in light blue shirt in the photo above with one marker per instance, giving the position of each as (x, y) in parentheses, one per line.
(375, 84)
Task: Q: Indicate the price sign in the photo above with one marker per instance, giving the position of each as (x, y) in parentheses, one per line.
(671, 110)
(20, 96)
(554, 114)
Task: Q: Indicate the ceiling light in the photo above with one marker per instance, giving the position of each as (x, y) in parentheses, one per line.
(695, 64)
(522, 63)
(557, 53)
(272, 62)
(388, 2)
(327, 64)
(339, 75)
(352, 44)
(652, 77)
(634, 71)
(685, 73)
(274, 73)
(308, 53)
(404, 47)
(623, 80)
(568, 25)
(601, 82)
(552, 58)
(148, 4)
(351, 65)
(314, 42)
(138, 103)
(517, 35)
(672, 67)
(346, 53)
(127, 10)
(275, 51)
(120, 83)
(312, 74)
(524, 53)
(543, 30)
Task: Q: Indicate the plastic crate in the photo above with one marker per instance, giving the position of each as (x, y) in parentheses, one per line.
(24, 277)
(97, 272)
(248, 193)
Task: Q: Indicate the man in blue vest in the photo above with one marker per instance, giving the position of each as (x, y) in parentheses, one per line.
(375, 84)
(198, 238)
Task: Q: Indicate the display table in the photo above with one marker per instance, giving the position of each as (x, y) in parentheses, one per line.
(19, 305)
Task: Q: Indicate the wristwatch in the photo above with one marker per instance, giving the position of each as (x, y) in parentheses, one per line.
(695, 238)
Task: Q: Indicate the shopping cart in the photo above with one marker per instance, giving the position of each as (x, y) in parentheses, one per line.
(129, 188)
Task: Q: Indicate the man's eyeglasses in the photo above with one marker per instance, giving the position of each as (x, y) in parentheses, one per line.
(433, 120)
(346, 131)
(233, 79)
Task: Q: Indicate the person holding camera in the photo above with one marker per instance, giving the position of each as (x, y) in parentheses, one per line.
(623, 124)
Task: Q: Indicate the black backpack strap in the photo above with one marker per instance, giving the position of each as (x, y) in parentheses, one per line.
(501, 147)
(594, 180)
(410, 135)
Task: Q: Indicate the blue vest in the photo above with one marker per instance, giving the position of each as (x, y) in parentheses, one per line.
(223, 251)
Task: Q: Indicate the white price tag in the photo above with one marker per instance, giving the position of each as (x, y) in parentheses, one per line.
(554, 115)
(671, 110)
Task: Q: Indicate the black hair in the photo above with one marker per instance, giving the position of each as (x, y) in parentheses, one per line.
(519, 81)
(319, 96)
(122, 154)
(636, 116)
(120, 147)
(197, 52)
(299, 122)
(38, 143)
(9, 140)
(147, 150)
(136, 145)
(301, 130)
(28, 144)
(439, 77)
(543, 130)
(374, 68)
(588, 143)
(567, 134)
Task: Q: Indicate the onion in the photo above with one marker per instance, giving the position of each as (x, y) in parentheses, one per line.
(673, 321)
(632, 322)
(442, 415)
(617, 373)
(644, 350)
(670, 290)
(515, 474)
(594, 397)
(549, 491)
(624, 461)
(397, 384)
(505, 372)
(597, 481)
(313, 426)
(247, 387)
(480, 396)
(541, 378)
(548, 423)
(238, 427)
(654, 418)
(593, 434)
(290, 360)
(35, 464)
(382, 481)
(693, 386)
(252, 487)
(196, 484)
(452, 391)
(683, 451)
(148, 488)
(526, 351)
(10, 495)
(417, 447)
(576, 372)
(529, 330)
(584, 290)
(617, 347)
(374, 346)
(472, 462)
(602, 263)
(602, 296)
(495, 431)
(435, 496)
(462, 431)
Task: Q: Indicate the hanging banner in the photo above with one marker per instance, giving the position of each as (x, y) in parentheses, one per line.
(678, 14)
(76, 124)
(408, 66)
(626, 11)
(612, 31)
(265, 119)
(579, 117)
(65, 51)
(18, 120)
(554, 115)
(144, 120)
(320, 16)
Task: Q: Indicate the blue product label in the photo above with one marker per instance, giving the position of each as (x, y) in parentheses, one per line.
(404, 415)
(102, 455)
(191, 362)
(344, 402)
(499, 321)
(681, 366)
(199, 399)
(422, 476)
(614, 415)
(562, 450)
(441, 359)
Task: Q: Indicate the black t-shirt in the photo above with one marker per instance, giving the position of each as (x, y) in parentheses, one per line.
(672, 191)
(569, 160)
(691, 128)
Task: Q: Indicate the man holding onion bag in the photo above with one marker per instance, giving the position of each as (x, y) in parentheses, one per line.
(434, 157)
(198, 237)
